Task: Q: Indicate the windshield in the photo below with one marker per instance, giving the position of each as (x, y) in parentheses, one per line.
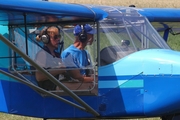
(124, 32)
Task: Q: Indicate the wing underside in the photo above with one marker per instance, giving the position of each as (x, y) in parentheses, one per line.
(34, 12)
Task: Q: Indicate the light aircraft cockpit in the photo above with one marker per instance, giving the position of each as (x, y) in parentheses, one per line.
(122, 33)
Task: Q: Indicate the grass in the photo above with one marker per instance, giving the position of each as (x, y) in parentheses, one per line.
(4, 116)
(137, 3)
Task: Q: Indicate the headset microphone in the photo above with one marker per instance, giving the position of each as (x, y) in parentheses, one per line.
(62, 42)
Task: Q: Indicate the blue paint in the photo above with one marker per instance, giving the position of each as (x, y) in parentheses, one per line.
(161, 14)
(18, 7)
(3, 106)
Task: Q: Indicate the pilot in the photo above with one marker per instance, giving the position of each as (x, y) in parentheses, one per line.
(75, 56)
(48, 57)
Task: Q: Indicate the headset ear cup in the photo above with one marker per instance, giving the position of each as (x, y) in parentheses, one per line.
(82, 36)
(45, 39)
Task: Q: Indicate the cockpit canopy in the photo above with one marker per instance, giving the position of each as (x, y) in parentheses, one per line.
(126, 25)
(123, 32)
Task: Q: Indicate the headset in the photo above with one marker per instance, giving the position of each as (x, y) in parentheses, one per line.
(83, 34)
(45, 38)
(125, 42)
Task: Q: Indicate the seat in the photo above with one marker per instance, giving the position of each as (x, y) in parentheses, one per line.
(108, 55)
(111, 54)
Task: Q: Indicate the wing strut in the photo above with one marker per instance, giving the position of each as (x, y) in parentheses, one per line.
(40, 89)
(49, 76)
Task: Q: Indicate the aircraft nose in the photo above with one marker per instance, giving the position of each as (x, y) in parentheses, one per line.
(162, 62)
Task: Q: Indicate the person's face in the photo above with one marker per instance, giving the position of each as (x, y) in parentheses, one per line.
(55, 40)
(90, 38)
(54, 37)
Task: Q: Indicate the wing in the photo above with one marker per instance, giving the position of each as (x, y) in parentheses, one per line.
(161, 14)
(19, 12)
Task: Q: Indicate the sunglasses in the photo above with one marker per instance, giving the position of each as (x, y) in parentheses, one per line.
(57, 36)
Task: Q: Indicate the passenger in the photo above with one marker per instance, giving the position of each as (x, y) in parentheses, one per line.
(75, 56)
(48, 57)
